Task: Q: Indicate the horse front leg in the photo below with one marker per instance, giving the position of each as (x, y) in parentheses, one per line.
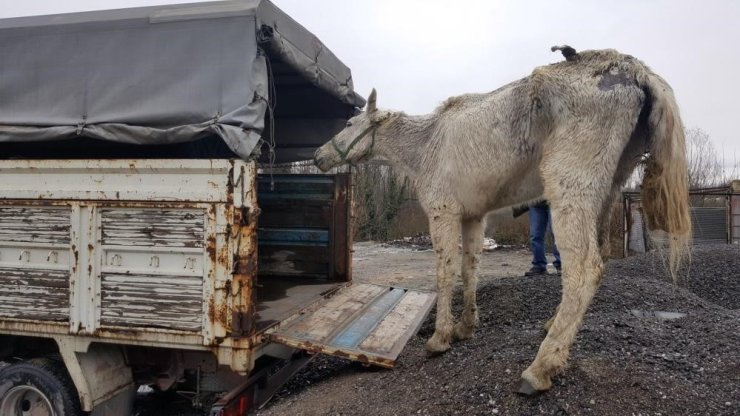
(472, 241)
(445, 230)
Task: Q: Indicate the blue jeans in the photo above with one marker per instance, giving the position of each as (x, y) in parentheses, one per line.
(539, 218)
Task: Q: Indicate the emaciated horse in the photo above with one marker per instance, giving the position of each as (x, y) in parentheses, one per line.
(572, 133)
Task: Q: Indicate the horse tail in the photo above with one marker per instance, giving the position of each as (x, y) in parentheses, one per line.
(665, 186)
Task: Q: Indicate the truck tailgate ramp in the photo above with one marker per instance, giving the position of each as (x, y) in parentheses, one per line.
(362, 322)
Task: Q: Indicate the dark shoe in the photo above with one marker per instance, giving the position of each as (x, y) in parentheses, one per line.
(536, 271)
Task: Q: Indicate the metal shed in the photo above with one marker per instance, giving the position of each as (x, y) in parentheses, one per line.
(715, 215)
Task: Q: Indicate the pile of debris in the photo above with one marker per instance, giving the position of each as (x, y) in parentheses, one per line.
(423, 241)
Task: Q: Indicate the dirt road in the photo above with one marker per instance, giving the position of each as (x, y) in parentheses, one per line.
(391, 265)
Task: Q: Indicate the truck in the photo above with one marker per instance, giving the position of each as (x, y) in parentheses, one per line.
(145, 238)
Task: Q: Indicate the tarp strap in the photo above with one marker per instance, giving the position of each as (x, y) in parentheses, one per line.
(81, 125)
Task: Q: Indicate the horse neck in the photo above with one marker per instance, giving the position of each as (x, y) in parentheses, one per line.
(404, 141)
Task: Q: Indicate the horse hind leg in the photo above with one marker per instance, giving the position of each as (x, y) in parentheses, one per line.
(472, 241)
(603, 228)
(576, 234)
(603, 225)
(627, 163)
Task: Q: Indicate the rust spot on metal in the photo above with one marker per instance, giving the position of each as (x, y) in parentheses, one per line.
(230, 186)
(211, 247)
(217, 314)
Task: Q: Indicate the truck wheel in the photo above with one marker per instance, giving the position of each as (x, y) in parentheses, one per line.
(38, 387)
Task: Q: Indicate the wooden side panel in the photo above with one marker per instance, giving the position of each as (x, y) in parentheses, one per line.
(153, 227)
(35, 262)
(34, 294)
(34, 225)
(153, 268)
(155, 301)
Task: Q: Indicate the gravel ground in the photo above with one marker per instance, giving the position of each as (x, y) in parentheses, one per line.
(620, 364)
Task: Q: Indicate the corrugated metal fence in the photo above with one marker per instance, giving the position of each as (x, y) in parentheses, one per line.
(715, 214)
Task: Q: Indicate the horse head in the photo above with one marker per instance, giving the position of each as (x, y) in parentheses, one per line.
(356, 142)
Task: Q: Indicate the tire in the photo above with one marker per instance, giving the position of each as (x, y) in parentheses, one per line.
(42, 385)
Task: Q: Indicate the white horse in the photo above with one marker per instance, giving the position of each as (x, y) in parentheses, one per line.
(572, 133)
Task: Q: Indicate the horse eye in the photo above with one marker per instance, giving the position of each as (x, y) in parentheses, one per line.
(349, 124)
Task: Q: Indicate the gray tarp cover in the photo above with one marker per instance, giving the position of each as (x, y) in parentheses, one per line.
(155, 75)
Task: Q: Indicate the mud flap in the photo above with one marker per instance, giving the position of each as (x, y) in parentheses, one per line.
(361, 322)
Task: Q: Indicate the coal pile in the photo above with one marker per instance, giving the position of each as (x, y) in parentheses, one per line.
(623, 362)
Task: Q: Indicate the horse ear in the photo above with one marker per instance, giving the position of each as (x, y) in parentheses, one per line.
(371, 99)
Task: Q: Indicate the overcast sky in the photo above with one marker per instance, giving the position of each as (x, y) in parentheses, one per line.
(419, 52)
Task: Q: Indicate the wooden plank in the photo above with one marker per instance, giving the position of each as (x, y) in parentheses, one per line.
(156, 310)
(146, 323)
(156, 301)
(153, 281)
(319, 325)
(363, 325)
(153, 227)
(390, 331)
(35, 302)
(26, 290)
(37, 294)
(359, 328)
(280, 297)
(19, 277)
(61, 315)
(35, 225)
(152, 301)
(153, 290)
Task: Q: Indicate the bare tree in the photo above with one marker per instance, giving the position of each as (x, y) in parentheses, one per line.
(379, 193)
(705, 166)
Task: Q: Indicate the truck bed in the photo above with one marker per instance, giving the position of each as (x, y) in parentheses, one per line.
(195, 254)
(139, 252)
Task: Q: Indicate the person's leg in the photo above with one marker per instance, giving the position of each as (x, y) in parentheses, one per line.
(537, 227)
(556, 263)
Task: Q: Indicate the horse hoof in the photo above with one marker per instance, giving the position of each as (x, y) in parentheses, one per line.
(526, 389)
(436, 347)
(462, 332)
